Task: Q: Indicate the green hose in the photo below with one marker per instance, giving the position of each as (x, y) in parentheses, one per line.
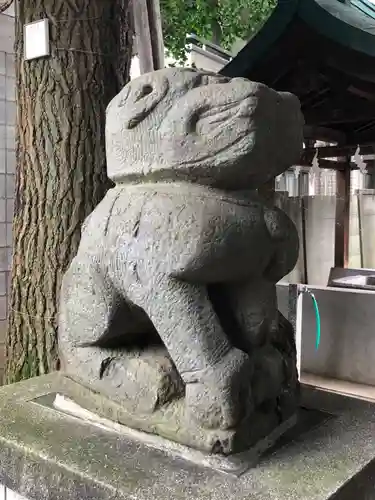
(317, 318)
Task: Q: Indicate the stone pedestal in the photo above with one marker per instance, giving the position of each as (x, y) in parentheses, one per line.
(47, 455)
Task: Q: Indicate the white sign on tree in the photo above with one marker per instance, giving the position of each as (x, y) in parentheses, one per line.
(36, 39)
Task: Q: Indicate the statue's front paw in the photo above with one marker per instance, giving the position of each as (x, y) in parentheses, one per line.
(221, 396)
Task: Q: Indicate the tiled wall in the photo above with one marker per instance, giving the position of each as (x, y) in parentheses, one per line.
(7, 494)
(7, 166)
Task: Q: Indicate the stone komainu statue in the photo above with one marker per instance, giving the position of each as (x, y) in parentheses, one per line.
(169, 308)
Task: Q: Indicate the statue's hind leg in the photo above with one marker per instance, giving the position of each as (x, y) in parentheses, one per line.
(215, 373)
(98, 330)
(268, 338)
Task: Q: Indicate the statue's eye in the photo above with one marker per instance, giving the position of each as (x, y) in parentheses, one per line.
(145, 91)
(140, 94)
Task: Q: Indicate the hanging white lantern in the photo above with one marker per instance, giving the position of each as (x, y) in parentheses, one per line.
(315, 168)
(359, 161)
(297, 171)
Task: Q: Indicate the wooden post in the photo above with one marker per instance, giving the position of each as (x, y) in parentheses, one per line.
(359, 208)
(303, 243)
(342, 214)
(149, 36)
(295, 305)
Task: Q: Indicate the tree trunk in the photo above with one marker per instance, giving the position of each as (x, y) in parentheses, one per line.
(61, 169)
(217, 33)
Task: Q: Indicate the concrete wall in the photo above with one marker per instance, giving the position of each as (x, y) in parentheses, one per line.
(7, 165)
(347, 344)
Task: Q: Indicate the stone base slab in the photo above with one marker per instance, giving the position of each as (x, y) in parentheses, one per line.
(235, 464)
(171, 423)
(47, 455)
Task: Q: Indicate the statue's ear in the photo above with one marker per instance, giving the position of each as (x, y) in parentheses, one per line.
(138, 99)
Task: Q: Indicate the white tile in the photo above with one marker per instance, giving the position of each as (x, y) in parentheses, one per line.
(3, 283)
(3, 236)
(2, 63)
(10, 162)
(10, 137)
(4, 259)
(2, 365)
(2, 136)
(10, 259)
(3, 116)
(3, 308)
(2, 87)
(10, 186)
(10, 89)
(10, 64)
(10, 112)
(3, 214)
(9, 234)
(12, 495)
(3, 160)
(2, 185)
(9, 209)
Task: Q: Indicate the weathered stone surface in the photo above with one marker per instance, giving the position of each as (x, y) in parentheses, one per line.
(185, 125)
(143, 380)
(46, 455)
(183, 252)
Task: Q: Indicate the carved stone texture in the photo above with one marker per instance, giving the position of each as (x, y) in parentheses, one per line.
(169, 307)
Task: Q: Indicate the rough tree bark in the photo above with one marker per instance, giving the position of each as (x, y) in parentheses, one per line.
(5, 4)
(61, 174)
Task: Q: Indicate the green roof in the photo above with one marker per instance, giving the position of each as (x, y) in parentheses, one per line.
(324, 52)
